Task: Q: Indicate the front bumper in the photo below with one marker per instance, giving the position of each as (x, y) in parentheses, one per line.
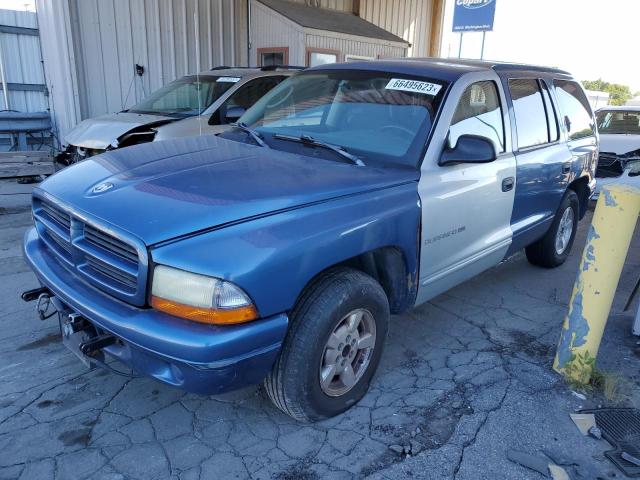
(195, 357)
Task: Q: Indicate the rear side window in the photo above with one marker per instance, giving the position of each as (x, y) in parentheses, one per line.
(575, 109)
(479, 113)
(530, 113)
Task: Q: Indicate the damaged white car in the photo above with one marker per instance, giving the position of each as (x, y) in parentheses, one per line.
(195, 104)
(619, 129)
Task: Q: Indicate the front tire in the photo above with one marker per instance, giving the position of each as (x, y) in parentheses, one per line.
(553, 249)
(333, 346)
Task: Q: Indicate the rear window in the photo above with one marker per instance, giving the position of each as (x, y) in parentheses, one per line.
(530, 113)
(619, 122)
(575, 109)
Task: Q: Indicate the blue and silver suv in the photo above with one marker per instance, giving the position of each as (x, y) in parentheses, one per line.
(276, 251)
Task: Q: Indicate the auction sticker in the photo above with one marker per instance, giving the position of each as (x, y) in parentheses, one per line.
(228, 79)
(413, 86)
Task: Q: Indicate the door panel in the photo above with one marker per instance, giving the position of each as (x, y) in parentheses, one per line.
(542, 161)
(541, 182)
(465, 212)
(466, 222)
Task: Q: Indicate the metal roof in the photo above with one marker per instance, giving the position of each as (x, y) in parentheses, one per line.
(330, 20)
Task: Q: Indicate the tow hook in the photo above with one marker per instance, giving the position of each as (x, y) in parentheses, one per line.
(44, 307)
(34, 294)
(96, 343)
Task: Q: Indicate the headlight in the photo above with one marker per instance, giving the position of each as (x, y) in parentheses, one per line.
(199, 298)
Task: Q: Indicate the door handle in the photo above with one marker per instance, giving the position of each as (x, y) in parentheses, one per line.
(507, 184)
(566, 167)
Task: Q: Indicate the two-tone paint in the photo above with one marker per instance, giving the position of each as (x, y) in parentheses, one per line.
(272, 221)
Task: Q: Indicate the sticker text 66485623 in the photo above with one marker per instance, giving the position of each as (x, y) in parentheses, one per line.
(413, 86)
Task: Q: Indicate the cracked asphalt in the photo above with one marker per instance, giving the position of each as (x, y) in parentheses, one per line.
(463, 379)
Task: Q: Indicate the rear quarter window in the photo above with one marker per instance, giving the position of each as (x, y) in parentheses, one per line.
(575, 109)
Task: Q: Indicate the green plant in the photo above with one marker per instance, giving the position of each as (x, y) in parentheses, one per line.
(581, 373)
(578, 370)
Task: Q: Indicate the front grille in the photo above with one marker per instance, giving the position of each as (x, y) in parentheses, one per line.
(110, 243)
(108, 260)
(609, 166)
(58, 216)
(111, 273)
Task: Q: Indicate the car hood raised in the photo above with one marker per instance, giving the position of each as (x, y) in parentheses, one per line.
(162, 190)
(100, 132)
(619, 143)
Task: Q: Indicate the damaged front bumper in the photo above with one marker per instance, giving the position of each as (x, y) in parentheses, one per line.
(614, 168)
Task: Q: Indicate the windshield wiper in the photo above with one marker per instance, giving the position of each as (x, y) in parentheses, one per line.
(309, 140)
(257, 137)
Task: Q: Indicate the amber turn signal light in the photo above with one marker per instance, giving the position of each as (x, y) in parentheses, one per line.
(205, 315)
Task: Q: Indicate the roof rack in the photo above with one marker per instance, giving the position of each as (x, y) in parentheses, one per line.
(227, 67)
(270, 68)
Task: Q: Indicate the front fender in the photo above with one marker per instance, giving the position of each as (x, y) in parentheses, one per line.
(274, 257)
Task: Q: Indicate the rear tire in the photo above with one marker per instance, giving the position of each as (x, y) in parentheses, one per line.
(553, 249)
(333, 346)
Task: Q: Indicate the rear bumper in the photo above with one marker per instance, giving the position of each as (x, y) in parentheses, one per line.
(195, 357)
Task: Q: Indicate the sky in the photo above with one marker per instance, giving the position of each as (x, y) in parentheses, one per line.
(590, 38)
(29, 5)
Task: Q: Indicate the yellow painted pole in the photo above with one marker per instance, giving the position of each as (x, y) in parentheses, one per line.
(608, 240)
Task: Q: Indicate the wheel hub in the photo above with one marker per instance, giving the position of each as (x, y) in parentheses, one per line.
(347, 353)
(565, 230)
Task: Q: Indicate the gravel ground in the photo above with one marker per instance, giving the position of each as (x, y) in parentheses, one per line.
(463, 379)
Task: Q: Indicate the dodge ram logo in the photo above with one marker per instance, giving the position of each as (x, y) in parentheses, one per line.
(102, 187)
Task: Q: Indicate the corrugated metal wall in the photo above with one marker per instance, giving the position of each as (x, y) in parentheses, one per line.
(22, 62)
(351, 45)
(169, 38)
(409, 19)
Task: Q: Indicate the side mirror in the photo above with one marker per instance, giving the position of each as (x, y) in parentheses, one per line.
(233, 114)
(469, 149)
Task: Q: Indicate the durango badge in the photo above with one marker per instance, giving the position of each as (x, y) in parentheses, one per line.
(102, 187)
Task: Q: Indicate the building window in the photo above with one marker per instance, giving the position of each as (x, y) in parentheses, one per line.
(273, 56)
(357, 58)
(318, 56)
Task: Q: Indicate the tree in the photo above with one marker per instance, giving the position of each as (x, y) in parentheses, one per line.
(618, 94)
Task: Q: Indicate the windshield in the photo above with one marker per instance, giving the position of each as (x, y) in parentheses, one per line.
(377, 116)
(619, 122)
(185, 97)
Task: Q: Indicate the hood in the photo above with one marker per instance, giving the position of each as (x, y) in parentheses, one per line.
(100, 132)
(161, 190)
(192, 126)
(619, 143)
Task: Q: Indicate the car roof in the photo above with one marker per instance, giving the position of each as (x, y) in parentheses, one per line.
(625, 108)
(441, 68)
